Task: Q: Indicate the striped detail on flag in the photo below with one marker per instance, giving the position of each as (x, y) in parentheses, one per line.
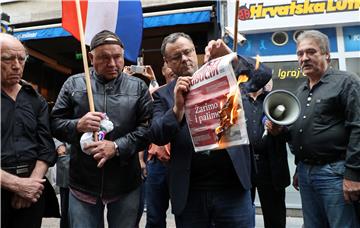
(119, 16)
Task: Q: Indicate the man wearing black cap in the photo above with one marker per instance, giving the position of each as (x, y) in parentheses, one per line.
(272, 170)
(109, 172)
(210, 188)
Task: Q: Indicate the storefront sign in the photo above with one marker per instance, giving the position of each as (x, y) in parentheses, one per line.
(255, 15)
(289, 73)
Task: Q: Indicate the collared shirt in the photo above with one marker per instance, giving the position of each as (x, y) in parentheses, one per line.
(25, 132)
(254, 114)
(329, 123)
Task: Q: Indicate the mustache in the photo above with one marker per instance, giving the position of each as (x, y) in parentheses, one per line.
(305, 64)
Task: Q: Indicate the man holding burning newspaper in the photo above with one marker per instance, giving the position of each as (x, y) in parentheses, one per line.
(207, 187)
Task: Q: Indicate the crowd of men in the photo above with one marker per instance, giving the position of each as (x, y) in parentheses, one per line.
(206, 189)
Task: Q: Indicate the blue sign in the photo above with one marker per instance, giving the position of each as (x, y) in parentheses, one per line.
(262, 44)
(41, 34)
(352, 38)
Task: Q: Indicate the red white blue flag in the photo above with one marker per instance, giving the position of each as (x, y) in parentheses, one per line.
(124, 17)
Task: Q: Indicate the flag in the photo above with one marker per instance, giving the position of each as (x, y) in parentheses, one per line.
(123, 17)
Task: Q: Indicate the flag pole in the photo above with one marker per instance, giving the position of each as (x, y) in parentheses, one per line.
(85, 61)
(236, 26)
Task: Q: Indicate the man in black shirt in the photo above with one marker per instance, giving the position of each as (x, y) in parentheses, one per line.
(325, 138)
(272, 173)
(27, 148)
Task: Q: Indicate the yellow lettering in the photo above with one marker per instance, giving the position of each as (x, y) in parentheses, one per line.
(295, 74)
(299, 9)
(319, 7)
(283, 11)
(256, 11)
(356, 4)
(308, 7)
(281, 75)
(341, 5)
(330, 6)
(271, 11)
(292, 8)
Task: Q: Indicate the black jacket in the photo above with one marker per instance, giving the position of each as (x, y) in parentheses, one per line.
(270, 151)
(128, 104)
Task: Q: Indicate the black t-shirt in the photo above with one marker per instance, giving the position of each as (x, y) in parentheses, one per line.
(213, 170)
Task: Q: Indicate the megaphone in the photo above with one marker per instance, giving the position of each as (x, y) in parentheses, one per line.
(281, 107)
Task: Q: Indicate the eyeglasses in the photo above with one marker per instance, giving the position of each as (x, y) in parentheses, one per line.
(9, 59)
(177, 56)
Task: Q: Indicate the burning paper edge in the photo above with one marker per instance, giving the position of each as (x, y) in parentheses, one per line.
(234, 92)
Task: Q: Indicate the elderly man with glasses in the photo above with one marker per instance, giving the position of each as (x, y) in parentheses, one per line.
(27, 148)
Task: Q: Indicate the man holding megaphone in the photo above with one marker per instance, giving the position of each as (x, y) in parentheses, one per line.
(272, 174)
(325, 138)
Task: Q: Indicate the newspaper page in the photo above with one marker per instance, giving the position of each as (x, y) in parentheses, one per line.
(213, 107)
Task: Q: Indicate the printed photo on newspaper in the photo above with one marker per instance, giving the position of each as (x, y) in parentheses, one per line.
(213, 107)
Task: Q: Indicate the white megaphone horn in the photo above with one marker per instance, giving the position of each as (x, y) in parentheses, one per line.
(281, 107)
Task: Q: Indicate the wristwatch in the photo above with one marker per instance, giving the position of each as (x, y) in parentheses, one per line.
(154, 83)
(116, 149)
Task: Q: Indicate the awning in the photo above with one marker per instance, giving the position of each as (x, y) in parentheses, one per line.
(178, 17)
(41, 33)
(151, 20)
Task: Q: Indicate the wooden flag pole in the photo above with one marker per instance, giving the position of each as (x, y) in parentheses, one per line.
(236, 26)
(85, 61)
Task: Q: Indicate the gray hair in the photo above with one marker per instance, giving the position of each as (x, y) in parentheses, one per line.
(172, 38)
(320, 38)
(5, 37)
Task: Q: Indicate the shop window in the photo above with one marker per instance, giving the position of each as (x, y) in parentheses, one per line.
(279, 38)
(296, 34)
(352, 65)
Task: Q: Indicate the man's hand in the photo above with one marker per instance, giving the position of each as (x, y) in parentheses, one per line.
(351, 190)
(30, 188)
(215, 49)
(61, 150)
(18, 202)
(149, 73)
(182, 87)
(273, 128)
(296, 181)
(101, 151)
(162, 155)
(90, 122)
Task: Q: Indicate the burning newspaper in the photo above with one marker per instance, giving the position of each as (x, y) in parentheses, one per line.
(213, 108)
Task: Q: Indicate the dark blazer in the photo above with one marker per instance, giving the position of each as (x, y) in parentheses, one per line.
(165, 129)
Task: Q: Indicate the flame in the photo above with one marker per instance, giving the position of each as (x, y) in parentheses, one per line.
(229, 110)
(242, 78)
(228, 113)
(257, 64)
(219, 128)
(233, 113)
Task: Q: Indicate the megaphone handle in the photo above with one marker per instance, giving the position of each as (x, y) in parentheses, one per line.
(265, 133)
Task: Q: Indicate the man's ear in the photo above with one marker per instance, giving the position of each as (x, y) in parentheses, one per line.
(165, 61)
(328, 57)
(91, 57)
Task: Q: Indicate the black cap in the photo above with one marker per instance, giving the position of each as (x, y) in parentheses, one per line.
(257, 78)
(105, 37)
